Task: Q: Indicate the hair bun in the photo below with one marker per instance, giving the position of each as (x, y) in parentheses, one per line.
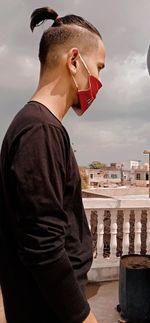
(40, 15)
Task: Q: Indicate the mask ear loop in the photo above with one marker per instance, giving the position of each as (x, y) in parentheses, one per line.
(84, 63)
(82, 60)
(75, 81)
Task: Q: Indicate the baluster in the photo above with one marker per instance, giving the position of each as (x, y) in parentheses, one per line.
(113, 240)
(88, 215)
(100, 234)
(126, 231)
(138, 226)
(148, 232)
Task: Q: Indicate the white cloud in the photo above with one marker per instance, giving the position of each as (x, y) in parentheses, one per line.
(128, 78)
(108, 140)
(3, 50)
(76, 2)
(29, 67)
(21, 72)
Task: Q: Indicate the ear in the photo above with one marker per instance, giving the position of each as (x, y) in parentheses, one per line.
(72, 60)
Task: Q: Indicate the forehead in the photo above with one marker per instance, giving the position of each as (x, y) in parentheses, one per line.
(99, 52)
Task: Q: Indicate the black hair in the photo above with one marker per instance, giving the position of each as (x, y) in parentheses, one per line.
(59, 32)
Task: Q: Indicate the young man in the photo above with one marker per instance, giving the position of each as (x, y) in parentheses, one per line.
(46, 248)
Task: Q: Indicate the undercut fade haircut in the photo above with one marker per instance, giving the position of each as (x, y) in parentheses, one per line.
(64, 30)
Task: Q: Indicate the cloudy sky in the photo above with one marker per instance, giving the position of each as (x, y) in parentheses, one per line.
(117, 125)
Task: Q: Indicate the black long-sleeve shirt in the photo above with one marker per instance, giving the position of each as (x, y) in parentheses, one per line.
(43, 215)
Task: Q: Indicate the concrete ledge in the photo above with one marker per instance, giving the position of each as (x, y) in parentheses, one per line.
(97, 274)
(116, 203)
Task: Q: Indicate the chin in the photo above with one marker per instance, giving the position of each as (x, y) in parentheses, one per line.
(77, 110)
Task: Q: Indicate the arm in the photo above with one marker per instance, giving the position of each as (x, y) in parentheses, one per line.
(39, 173)
(90, 319)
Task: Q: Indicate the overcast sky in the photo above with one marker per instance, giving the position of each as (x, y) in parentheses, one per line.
(117, 125)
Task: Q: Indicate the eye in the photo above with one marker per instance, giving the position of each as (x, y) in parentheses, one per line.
(100, 67)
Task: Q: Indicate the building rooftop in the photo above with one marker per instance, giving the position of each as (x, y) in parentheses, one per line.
(119, 191)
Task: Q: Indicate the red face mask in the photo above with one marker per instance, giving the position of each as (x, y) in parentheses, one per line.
(86, 97)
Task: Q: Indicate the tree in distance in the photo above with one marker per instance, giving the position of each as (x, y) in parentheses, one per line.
(84, 179)
(97, 165)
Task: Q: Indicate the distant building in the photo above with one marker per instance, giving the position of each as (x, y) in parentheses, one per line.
(112, 175)
(117, 174)
(140, 176)
(116, 165)
(134, 163)
(97, 177)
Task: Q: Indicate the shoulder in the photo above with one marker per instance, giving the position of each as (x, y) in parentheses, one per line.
(35, 123)
(34, 113)
(34, 117)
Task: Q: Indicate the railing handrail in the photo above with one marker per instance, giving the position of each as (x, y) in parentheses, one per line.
(119, 226)
(116, 203)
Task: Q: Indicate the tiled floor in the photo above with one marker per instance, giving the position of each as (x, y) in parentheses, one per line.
(103, 298)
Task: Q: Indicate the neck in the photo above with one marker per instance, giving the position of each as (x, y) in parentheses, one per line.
(54, 93)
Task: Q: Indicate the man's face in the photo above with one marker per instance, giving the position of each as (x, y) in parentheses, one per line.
(95, 62)
(87, 77)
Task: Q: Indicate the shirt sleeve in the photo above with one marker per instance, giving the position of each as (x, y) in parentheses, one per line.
(38, 173)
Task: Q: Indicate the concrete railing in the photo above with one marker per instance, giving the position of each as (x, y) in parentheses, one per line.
(118, 227)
